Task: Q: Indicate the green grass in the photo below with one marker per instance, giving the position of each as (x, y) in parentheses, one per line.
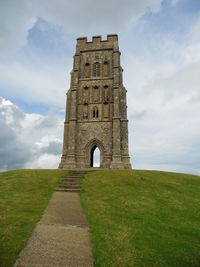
(143, 218)
(24, 194)
(137, 218)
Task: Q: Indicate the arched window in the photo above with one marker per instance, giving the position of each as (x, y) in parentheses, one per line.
(87, 70)
(95, 112)
(96, 69)
(105, 69)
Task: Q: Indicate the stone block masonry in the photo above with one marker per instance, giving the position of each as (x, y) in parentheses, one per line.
(96, 110)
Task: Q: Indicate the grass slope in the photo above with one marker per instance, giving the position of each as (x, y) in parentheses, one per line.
(24, 194)
(143, 218)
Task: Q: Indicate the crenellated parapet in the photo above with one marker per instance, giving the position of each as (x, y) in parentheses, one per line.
(97, 43)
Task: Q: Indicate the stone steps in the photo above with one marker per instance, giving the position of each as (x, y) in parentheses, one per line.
(73, 186)
(71, 178)
(68, 190)
(71, 183)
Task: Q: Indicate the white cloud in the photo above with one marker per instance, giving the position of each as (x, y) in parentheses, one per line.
(35, 84)
(195, 31)
(25, 139)
(18, 17)
(45, 161)
(34, 80)
(94, 16)
(175, 2)
(164, 107)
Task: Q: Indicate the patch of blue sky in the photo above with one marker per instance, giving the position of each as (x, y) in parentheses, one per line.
(48, 40)
(158, 32)
(39, 108)
(27, 105)
(171, 20)
(189, 6)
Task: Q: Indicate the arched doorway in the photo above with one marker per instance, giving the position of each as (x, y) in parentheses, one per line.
(95, 157)
(94, 153)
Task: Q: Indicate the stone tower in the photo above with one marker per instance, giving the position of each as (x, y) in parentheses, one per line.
(96, 112)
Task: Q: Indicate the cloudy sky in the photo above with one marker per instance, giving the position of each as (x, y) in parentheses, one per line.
(160, 45)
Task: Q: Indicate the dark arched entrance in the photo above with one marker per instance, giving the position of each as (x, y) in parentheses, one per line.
(95, 157)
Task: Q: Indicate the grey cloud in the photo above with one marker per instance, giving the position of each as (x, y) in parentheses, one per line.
(13, 153)
(138, 114)
(11, 114)
(49, 121)
(186, 161)
(194, 99)
(185, 80)
(53, 147)
(6, 133)
(21, 133)
(16, 18)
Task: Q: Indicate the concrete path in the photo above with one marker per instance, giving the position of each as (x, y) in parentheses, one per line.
(61, 238)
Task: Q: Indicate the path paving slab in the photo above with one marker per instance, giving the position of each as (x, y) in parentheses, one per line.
(61, 238)
(64, 208)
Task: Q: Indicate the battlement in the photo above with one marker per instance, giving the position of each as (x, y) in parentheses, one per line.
(98, 38)
(97, 43)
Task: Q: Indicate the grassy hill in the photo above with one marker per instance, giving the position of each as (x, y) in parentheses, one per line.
(137, 218)
(143, 218)
(24, 194)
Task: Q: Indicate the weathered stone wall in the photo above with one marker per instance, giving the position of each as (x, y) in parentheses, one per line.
(96, 107)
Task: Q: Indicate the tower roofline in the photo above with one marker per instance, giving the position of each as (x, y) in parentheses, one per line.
(111, 42)
(98, 38)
